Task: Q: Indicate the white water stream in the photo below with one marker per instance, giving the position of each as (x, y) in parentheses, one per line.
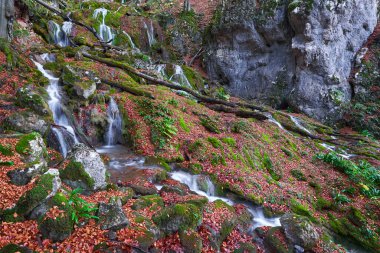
(65, 133)
(114, 123)
(60, 35)
(105, 32)
(259, 220)
(150, 33)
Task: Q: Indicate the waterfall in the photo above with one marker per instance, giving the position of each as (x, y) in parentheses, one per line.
(274, 121)
(65, 133)
(105, 32)
(150, 33)
(60, 35)
(180, 78)
(192, 181)
(114, 123)
(298, 123)
(131, 44)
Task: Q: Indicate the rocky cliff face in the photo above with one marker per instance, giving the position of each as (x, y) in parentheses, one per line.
(297, 53)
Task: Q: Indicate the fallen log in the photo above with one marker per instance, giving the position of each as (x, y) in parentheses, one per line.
(131, 90)
(238, 112)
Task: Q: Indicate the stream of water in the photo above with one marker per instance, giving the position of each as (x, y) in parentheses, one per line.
(64, 132)
(105, 32)
(114, 123)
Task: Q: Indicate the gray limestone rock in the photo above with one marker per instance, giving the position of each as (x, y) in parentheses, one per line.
(290, 55)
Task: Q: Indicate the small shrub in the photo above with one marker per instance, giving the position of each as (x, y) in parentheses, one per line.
(6, 150)
(82, 209)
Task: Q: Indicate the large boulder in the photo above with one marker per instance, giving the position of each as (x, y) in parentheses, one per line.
(178, 217)
(295, 52)
(300, 231)
(111, 216)
(46, 187)
(82, 81)
(33, 152)
(27, 122)
(85, 170)
(29, 97)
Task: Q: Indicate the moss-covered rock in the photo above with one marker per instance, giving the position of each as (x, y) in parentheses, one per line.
(59, 228)
(178, 217)
(85, 170)
(82, 82)
(27, 122)
(191, 241)
(300, 231)
(153, 201)
(273, 243)
(210, 124)
(111, 216)
(34, 197)
(26, 97)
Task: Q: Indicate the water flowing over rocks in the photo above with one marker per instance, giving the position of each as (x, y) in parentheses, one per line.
(301, 56)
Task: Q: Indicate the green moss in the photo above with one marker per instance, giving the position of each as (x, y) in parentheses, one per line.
(194, 78)
(323, 204)
(6, 150)
(215, 142)
(300, 209)
(229, 141)
(287, 152)
(179, 217)
(191, 241)
(221, 204)
(210, 124)
(153, 201)
(217, 159)
(32, 198)
(298, 174)
(22, 146)
(275, 244)
(239, 126)
(74, 171)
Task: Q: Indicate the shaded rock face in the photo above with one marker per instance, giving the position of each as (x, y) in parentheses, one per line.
(300, 231)
(300, 56)
(111, 216)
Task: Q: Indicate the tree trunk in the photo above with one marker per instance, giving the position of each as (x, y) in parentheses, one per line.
(7, 16)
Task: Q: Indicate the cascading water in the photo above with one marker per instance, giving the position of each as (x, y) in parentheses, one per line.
(105, 32)
(133, 46)
(60, 35)
(192, 181)
(65, 132)
(298, 123)
(271, 119)
(150, 33)
(179, 77)
(114, 123)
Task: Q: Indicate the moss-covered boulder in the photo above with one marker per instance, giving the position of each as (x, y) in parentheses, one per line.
(32, 148)
(191, 241)
(29, 97)
(85, 170)
(153, 201)
(111, 215)
(82, 82)
(273, 241)
(26, 122)
(59, 227)
(178, 217)
(46, 187)
(300, 231)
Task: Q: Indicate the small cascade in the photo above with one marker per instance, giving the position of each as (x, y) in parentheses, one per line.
(193, 182)
(179, 77)
(114, 121)
(65, 132)
(298, 123)
(274, 121)
(259, 220)
(60, 35)
(105, 32)
(150, 33)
